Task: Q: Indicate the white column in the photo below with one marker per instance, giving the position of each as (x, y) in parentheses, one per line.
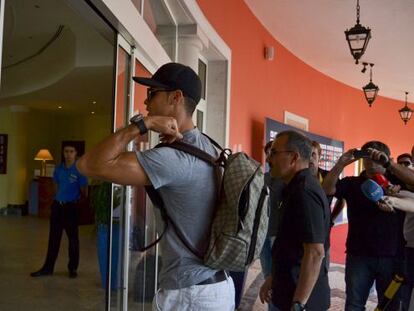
(189, 49)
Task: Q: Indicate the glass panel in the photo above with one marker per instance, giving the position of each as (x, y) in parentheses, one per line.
(119, 203)
(202, 73)
(122, 89)
(200, 120)
(137, 4)
(357, 41)
(142, 273)
(159, 20)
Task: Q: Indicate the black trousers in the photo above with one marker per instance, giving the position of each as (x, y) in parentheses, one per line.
(63, 216)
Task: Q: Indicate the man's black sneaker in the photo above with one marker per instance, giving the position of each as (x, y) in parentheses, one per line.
(41, 272)
(73, 274)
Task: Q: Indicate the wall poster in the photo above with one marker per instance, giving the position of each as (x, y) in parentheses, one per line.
(3, 153)
(331, 149)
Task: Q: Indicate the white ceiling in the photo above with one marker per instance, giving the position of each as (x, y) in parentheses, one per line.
(74, 71)
(313, 30)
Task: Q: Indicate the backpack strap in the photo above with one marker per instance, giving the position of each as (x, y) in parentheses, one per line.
(157, 201)
(216, 144)
(190, 149)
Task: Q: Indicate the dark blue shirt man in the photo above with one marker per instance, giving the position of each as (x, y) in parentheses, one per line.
(70, 187)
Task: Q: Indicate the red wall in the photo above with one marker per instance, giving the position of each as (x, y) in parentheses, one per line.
(261, 88)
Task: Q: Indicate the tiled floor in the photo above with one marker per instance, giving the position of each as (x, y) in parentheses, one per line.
(23, 243)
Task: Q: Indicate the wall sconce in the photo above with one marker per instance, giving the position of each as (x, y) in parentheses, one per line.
(370, 90)
(269, 52)
(43, 155)
(405, 112)
(357, 38)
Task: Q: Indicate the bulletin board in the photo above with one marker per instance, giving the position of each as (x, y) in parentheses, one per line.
(331, 149)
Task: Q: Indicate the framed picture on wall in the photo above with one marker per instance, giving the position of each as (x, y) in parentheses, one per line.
(3, 153)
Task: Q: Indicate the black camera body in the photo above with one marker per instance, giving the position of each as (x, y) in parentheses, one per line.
(361, 154)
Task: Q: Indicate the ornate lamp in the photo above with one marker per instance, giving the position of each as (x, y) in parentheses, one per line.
(43, 155)
(405, 112)
(358, 37)
(370, 90)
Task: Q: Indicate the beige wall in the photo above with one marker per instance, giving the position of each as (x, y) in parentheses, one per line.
(30, 131)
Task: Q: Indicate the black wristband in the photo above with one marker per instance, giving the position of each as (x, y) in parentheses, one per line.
(138, 121)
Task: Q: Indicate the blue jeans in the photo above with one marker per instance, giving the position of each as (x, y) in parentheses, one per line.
(266, 257)
(360, 274)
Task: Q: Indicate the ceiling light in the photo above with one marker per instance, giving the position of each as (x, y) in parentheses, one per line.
(370, 90)
(94, 102)
(364, 68)
(93, 112)
(60, 107)
(405, 112)
(358, 37)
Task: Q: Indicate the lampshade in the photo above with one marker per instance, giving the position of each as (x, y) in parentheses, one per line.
(43, 154)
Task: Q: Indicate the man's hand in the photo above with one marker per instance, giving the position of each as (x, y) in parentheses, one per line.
(347, 158)
(378, 156)
(166, 126)
(387, 205)
(265, 293)
(393, 190)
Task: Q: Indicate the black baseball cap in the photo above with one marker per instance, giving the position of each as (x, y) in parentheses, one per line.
(175, 76)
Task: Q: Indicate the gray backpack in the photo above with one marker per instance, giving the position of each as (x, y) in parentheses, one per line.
(241, 217)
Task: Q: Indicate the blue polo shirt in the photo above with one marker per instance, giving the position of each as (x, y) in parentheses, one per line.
(69, 182)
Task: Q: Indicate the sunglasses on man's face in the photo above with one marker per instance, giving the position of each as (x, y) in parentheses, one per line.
(152, 92)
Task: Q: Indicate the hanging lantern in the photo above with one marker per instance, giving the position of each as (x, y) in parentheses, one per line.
(370, 90)
(405, 112)
(357, 38)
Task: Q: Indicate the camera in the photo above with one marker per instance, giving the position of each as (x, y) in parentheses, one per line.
(361, 154)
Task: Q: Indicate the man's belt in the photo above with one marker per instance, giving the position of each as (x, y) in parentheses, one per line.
(219, 276)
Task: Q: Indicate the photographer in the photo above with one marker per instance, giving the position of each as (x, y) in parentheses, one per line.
(375, 241)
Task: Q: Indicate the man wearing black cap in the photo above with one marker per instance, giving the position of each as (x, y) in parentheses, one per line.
(185, 184)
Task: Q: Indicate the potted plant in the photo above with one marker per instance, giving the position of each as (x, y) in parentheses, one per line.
(101, 204)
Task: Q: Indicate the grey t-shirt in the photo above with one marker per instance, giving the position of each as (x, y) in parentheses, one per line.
(188, 189)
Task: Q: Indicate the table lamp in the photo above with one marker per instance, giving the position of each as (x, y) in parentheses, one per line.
(43, 155)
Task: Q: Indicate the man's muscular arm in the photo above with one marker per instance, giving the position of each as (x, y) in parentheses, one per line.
(109, 161)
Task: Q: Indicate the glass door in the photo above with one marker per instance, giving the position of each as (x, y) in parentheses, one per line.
(143, 266)
(119, 218)
(132, 274)
(1, 32)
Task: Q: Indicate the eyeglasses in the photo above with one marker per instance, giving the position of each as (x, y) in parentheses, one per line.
(405, 163)
(152, 92)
